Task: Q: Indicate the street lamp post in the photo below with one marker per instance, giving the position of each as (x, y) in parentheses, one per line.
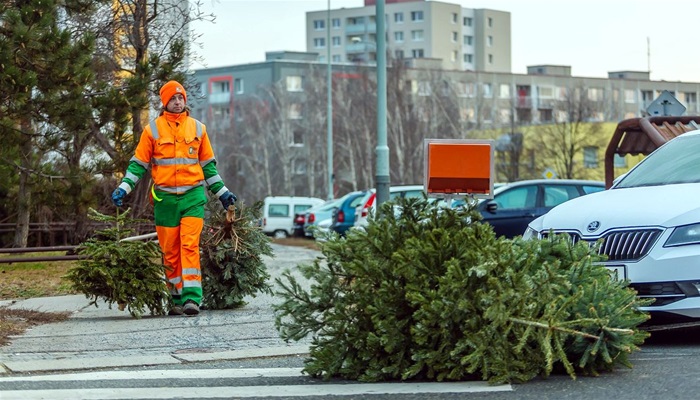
(330, 104)
(382, 150)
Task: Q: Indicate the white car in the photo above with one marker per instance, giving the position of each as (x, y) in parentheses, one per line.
(368, 204)
(650, 225)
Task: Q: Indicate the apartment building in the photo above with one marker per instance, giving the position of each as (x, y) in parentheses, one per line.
(462, 38)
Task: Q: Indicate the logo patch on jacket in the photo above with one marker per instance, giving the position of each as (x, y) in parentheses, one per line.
(191, 150)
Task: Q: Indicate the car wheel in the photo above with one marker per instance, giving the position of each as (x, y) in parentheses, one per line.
(279, 234)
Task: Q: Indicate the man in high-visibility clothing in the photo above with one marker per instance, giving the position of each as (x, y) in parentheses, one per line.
(177, 149)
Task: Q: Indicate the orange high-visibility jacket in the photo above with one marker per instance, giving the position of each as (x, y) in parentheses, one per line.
(178, 148)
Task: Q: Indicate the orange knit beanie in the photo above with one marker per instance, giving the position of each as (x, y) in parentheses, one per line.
(169, 89)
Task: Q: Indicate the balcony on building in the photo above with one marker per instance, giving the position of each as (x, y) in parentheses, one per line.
(219, 98)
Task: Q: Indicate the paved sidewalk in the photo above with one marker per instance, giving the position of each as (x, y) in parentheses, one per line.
(99, 337)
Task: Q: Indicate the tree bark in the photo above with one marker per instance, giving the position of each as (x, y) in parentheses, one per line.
(25, 193)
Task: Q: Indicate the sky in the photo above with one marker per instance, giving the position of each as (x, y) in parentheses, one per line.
(593, 37)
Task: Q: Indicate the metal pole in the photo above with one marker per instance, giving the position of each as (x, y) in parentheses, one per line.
(382, 151)
(330, 104)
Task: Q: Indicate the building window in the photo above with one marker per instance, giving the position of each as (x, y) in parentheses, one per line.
(416, 16)
(319, 24)
(590, 157)
(468, 40)
(398, 36)
(490, 58)
(619, 161)
(398, 17)
(546, 91)
(504, 91)
(220, 87)
(398, 54)
(294, 111)
(455, 35)
(417, 35)
(454, 56)
(424, 88)
(490, 22)
(467, 21)
(488, 90)
(335, 23)
(299, 167)
(294, 83)
(417, 53)
(468, 58)
(489, 41)
(455, 18)
(336, 58)
(630, 96)
(546, 115)
(238, 85)
(356, 20)
(237, 113)
(336, 41)
(595, 94)
(298, 138)
(691, 97)
(319, 42)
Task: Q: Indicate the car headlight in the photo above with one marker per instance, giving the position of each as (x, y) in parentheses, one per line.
(682, 235)
(530, 234)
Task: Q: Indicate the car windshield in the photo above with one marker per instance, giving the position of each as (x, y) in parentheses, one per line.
(675, 162)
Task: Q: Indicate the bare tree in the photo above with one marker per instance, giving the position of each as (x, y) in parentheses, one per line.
(562, 143)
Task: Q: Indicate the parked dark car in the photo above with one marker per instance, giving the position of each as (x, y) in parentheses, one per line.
(516, 204)
(344, 214)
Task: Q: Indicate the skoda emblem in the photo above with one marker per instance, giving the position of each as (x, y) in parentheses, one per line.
(593, 226)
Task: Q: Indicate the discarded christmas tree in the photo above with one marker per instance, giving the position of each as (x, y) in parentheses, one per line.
(431, 293)
(129, 273)
(232, 248)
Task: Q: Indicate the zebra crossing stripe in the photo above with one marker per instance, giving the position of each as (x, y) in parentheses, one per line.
(157, 393)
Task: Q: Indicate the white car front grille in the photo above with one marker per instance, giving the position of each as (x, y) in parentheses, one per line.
(628, 245)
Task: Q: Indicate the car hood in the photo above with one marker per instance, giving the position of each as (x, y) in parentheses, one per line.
(665, 206)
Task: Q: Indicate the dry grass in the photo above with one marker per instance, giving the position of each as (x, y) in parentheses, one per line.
(299, 242)
(34, 279)
(14, 322)
(26, 280)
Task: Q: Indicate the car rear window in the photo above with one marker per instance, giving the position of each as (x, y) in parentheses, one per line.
(592, 189)
(555, 195)
(278, 210)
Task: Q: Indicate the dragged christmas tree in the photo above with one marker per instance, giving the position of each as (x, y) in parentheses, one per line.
(426, 292)
(129, 273)
(232, 248)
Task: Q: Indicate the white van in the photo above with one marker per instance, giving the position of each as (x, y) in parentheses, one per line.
(278, 213)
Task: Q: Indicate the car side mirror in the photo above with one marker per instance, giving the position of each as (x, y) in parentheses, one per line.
(492, 206)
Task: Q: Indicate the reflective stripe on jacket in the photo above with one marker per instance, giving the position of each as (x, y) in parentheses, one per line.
(176, 149)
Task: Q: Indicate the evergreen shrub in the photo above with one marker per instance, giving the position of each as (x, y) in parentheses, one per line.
(431, 293)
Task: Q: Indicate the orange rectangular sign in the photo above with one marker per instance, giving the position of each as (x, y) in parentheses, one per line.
(455, 166)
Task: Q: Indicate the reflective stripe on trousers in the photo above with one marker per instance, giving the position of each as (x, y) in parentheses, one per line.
(180, 246)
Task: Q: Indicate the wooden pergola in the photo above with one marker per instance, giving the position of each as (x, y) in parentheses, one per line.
(642, 136)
